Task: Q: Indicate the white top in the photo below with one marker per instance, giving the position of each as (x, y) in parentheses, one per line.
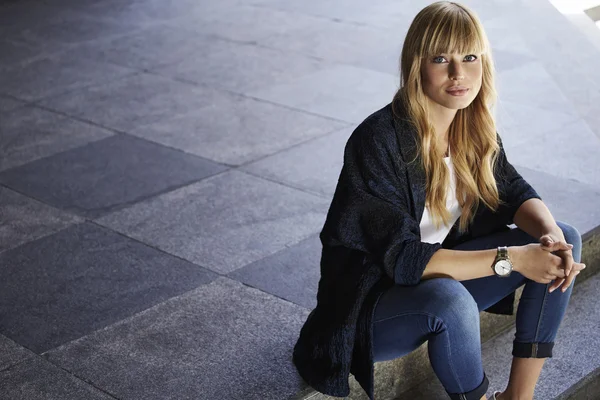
(429, 233)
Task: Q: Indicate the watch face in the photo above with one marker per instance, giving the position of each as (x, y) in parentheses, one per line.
(502, 267)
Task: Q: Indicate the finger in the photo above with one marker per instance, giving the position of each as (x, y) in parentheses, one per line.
(555, 285)
(569, 281)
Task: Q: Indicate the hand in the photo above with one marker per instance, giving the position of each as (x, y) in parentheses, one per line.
(551, 243)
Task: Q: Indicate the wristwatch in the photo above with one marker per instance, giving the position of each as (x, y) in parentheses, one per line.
(502, 265)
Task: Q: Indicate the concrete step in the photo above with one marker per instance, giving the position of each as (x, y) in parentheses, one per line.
(415, 368)
(588, 388)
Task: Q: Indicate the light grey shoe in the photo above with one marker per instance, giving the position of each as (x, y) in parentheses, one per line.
(494, 395)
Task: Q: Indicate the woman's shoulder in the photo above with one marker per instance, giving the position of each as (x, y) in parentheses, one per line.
(377, 127)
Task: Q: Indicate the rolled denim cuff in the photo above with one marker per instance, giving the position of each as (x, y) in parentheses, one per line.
(474, 394)
(532, 350)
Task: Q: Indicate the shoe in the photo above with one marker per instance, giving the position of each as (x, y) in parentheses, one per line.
(494, 395)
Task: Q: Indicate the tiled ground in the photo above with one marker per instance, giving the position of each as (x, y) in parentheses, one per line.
(166, 168)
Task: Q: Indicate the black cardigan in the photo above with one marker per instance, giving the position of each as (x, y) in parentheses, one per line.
(371, 241)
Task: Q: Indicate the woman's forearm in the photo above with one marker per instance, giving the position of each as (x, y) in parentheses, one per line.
(462, 265)
(534, 217)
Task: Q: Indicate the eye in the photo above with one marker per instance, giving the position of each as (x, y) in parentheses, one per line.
(472, 55)
(437, 57)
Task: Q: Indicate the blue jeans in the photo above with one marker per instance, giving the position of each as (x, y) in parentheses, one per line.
(445, 312)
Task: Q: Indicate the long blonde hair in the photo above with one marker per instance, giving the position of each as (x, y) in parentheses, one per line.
(449, 27)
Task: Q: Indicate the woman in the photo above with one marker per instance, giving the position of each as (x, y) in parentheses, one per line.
(413, 244)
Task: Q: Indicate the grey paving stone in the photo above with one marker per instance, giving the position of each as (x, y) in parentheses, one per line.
(11, 353)
(150, 47)
(20, 14)
(240, 67)
(36, 379)
(70, 27)
(220, 341)
(223, 222)
(8, 104)
(55, 74)
(69, 284)
(24, 219)
(343, 92)
(531, 84)
(505, 60)
(518, 122)
(30, 133)
(338, 41)
(15, 53)
(132, 102)
(235, 130)
(567, 199)
(107, 175)
(568, 152)
(292, 274)
(314, 165)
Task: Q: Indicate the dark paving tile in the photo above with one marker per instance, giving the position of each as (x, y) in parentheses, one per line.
(292, 274)
(25, 219)
(240, 67)
(235, 130)
(343, 92)
(146, 48)
(220, 341)
(568, 200)
(8, 104)
(30, 133)
(223, 222)
(132, 102)
(37, 379)
(69, 284)
(71, 27)
(107, 175)
(55, 74)
(15, 53)
(314, 166)
(11, 353)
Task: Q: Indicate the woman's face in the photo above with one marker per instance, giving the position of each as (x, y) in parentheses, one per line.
(442, 72)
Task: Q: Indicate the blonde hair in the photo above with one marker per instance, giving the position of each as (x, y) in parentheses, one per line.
(449, 27)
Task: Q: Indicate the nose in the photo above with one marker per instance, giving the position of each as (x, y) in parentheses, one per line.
(456, 72)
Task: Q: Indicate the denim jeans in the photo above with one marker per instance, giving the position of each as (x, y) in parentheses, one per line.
(445, 312)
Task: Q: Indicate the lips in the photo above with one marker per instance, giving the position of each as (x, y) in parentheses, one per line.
(457, 89)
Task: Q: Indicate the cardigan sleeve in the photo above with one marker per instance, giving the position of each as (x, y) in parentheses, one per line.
(370, 209)
(513, 189)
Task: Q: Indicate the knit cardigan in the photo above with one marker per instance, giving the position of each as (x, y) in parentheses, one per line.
(371, 241)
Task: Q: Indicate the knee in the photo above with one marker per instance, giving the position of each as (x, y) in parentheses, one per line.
(572, 236)
(454, 303)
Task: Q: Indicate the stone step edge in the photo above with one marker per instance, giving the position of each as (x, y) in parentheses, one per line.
(499, 323)
(587, 388)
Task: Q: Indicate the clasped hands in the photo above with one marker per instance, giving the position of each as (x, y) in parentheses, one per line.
(560, 248)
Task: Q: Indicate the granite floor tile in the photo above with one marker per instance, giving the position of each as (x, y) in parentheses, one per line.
(70, 27)
(13, 53)
(343, 92)
(292, 274)
(150, 47)
(568, 200)
(235, 130)
(568, 152)
(107, 175)
(83, 278)
(223, 222)
(313, 166)
(24, 219)
(518, 122)
(11, 353)
(8, 104)
(240, 67)
(532, 85)
(36, 379)
(132, 102)
(338, 41)
(55, 74)
(220, 341)
(30, 133)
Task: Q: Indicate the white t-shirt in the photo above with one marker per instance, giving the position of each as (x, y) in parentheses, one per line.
(429, 233)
